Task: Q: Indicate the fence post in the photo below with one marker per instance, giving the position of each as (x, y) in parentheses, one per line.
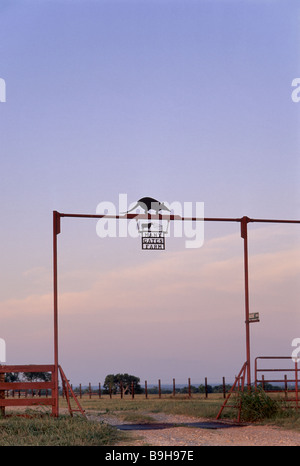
(121, 389)
(206, 391)
(159, 389)
(224, 388)
(99, 390)
(80, 392)
(90, 390)
(285, 385)
(2, 394)
(189, 385)
(174, 391)
(132, 390)
(146, 389)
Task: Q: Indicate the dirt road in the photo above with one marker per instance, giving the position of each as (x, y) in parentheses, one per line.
(248, 435)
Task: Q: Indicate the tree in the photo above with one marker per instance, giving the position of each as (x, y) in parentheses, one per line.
(114, 382)
(33, 376)
(12, 377)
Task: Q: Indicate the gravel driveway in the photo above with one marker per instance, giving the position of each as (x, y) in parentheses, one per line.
(246, 435)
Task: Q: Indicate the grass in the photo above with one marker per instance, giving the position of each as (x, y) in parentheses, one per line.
(197, 406)
(44, 430)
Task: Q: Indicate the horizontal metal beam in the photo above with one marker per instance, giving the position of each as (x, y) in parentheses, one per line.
(177, 217)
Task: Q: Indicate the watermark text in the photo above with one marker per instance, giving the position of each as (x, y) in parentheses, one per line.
(2, 90)
(191, 230)
(296, 92)
(296, 351)
(2, 351)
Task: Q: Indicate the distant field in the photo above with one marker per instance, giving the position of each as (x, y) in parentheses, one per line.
(197, 405)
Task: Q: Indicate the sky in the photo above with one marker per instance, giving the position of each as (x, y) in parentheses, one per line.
(184, 101)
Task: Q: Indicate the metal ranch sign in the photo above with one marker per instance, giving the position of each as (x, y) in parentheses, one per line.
(153, 240)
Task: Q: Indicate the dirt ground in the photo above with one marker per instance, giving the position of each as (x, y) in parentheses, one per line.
(246, 435)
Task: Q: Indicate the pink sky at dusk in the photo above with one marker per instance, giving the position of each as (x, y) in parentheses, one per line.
(181, 307)
(181, 101)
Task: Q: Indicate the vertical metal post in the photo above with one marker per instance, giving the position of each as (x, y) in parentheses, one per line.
(56, 231)
(296, 383)
(244, 235)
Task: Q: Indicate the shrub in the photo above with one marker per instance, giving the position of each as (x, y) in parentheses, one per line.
(257, 405)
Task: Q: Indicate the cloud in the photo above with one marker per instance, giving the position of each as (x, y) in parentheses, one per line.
(174, 279)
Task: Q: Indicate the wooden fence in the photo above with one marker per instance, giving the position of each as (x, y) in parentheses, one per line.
(32, 391)
(26, 391)
(91, 392)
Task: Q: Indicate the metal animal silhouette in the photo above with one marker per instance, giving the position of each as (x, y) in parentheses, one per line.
(148, 203)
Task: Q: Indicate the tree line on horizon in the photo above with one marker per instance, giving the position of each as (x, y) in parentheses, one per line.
(115, 383)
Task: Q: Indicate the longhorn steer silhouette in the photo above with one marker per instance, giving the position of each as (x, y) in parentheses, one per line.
(148, 203)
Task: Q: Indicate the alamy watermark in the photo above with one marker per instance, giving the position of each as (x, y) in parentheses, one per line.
(2, 90)
(296, 92)
(2, 351)
(296, 351)
(191, 230)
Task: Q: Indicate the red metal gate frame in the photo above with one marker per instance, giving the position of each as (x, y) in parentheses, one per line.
(294, 371)
(244, 234)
